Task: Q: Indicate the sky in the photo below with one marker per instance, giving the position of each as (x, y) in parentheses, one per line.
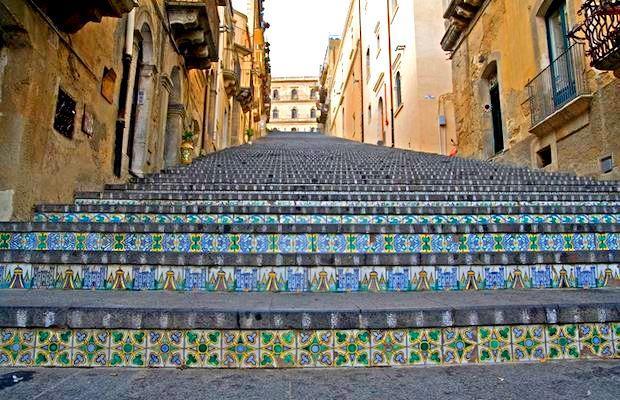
(299, 32)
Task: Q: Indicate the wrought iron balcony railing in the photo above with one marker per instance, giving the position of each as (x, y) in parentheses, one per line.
(601, 29)
(558, 84)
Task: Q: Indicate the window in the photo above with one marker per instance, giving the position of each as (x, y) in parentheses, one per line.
(369, 113)
(294, 94)
(368, 64)
(276, 113)
(378, 43)
(276, 94)
(544, 157)
(64, 120)
(313, 94)
(607, 164)
(399, 90)
(294, 113)
(313, 113)
(294, 130)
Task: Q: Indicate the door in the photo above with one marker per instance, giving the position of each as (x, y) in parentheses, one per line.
(562, 72)
(496, 115)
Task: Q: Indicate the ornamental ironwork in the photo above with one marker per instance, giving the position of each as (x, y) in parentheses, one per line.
(601, 30)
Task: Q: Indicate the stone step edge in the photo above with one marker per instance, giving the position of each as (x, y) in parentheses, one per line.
(379, 196)
(306, 260)
(443, 228)
(123, 310)
(443, 210)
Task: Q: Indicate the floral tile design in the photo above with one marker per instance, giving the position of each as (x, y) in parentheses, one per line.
(240, 349)
(528, 343)
(352, 348)
(128, 348)
(388, 348)
(203, 349)
(165, 348)
(596, 341)
(53, 348)
(424, 346)
(494, 344)
(562, 342)
(315, 348)
(460, 345)
(278, 349)
(17, 347)
(91, 348)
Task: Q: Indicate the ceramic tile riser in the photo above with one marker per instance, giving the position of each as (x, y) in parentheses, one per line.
(310, 223)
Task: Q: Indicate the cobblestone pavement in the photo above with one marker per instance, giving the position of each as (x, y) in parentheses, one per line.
(575, 380)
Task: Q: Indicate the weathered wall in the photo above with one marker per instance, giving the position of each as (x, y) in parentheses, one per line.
(43, 166)
(513, 36)
(39, 163)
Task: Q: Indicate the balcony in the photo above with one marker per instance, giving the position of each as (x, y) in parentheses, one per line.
(559, 93)
(195, 28)
(601, 30)
(460, 14)
(71, 16)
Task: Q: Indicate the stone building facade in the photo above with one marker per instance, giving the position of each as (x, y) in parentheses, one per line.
(86, 100)
(525, 91)
(390, 83)
(294, 104)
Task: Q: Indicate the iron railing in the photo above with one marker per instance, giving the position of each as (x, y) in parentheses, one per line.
(558, 84)
(601, 29)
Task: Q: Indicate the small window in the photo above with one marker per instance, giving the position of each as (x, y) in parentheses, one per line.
(607, 164)
(294, 113)
(399, 90)
(294, 94)
(276, 113)
(276, 94)
(64, 120)
(544, 157)
(313, 113)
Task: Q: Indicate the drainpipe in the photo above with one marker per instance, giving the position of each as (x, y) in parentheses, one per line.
(131, 26)
(359, 15)
(389, 26)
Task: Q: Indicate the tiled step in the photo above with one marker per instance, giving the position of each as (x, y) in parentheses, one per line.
(551, 209)
(106, 217)
(272, 331)
(278, 239)
(335, 196)
(300, 279)
(462, 188)
(343, 203)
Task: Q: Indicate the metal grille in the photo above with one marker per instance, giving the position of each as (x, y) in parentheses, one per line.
(562, 81)
(601, 29)
(64, 121)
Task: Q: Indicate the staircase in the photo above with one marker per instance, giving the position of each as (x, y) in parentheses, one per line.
(308, 251)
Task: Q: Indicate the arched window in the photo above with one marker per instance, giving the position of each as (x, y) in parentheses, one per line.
(276, 94)
(368, 63)
(276, 113)
(399, 90)
(294, 94)
(369, 113)
(313, 113)
(294, 113)
(294, 130)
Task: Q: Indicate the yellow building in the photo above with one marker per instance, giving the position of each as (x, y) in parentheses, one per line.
(294, 104)
(97, 92)
(88, 100)
(391, 83)
(526, 93)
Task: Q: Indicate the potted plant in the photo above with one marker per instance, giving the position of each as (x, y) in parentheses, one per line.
(187, 147)
(249, 133)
